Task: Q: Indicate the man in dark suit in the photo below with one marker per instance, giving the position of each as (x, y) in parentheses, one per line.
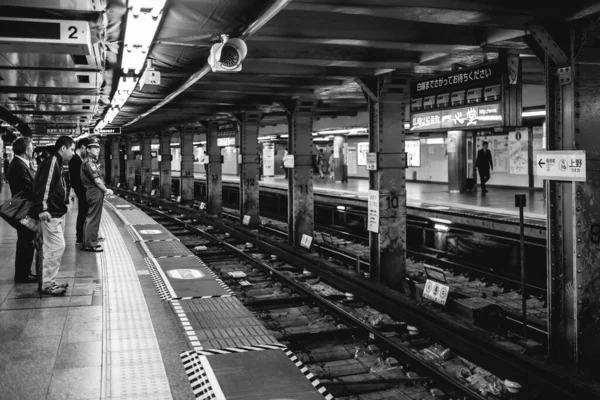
(20, 178)
(484, 165)
(77, 185)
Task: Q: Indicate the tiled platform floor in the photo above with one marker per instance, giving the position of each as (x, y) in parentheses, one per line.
(52, 348)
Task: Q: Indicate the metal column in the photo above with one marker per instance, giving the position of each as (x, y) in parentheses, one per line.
(572, 103)
(387, 98)
(165, 165)
(187, 166)
(300, 178)
(214, 178)
(457, 161)
(147, 163)
(249, 191)
(115, 160)
(130, 164)
(339, 162)
(102, 158)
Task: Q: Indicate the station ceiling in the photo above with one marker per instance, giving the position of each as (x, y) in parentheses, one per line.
(306, 48)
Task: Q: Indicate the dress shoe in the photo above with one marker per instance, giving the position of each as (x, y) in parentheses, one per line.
(30, 279)
(101, 238)
(97, 249)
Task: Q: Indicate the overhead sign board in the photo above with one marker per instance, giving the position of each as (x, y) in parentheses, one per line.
(561, 165)
(108, 131)
(483, 115)
(468, 77)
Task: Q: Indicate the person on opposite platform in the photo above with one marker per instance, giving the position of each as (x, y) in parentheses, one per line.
(50, 207)
(321, 163)
(77, 185)
(95, 189)
(484, 165)
(20, 177)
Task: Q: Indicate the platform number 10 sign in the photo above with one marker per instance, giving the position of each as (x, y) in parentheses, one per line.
(306, 241)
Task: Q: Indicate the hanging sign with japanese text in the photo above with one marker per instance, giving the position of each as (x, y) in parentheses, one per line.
(483, 115)
(226, 133)
(468, 77)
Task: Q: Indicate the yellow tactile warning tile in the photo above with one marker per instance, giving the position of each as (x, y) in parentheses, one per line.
(132, 360)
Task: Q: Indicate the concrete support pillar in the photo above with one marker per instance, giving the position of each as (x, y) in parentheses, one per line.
(146, 163)
(130, 165)
(300, 179)
(387, 97)
(165, 165)
(572, 65)
(214, 172)
(457, 161)
(249, 173)
(115, 161)
(339, 159)
(187, 166)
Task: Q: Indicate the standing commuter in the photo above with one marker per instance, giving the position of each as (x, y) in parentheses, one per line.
(75, 174)
(94, 191)
(321, 163)
(49, 205)
(484, 165)
(20, 178)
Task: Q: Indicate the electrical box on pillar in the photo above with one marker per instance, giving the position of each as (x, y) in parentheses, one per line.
(228, 55)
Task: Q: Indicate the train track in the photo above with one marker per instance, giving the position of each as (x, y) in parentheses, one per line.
(479, 282)
(468, 340)
(355, 351)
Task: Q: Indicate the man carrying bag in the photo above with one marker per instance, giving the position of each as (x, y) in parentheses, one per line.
(20, 178)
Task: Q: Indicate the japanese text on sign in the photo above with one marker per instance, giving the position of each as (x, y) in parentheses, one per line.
(458, 78)
(566, 165)
(372, 161)
(373, 211)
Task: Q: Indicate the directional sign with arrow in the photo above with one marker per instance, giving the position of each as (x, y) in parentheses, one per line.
(561, 165)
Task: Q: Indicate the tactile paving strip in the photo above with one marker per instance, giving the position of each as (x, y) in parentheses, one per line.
(166, 249)
(137, 217)
(199, 379)
(133, 367)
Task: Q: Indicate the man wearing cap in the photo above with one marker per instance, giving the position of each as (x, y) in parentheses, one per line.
(94, 192)
(77, 185)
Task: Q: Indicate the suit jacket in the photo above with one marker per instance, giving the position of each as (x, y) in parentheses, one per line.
(484, 160)
(20, 177)
(75, 174)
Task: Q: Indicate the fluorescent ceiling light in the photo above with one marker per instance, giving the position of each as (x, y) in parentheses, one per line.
(143, 19)
(534, 113)
(440, 227)
(285, 136)
(441, 221)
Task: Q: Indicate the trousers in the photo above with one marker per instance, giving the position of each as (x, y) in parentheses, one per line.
(484, 176)
(24, 255)
(52, 249)
(95, 199)
(82, 211)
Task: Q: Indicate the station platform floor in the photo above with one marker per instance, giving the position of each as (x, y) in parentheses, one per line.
(498, 200)
(126, 329)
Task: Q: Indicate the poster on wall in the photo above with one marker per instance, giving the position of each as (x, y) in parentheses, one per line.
(499, 148)
(518, 144)
(413, 152)
(362, 150)
(351, 160)
(269, 160)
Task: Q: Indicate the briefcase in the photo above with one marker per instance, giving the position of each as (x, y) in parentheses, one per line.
(15, 209)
